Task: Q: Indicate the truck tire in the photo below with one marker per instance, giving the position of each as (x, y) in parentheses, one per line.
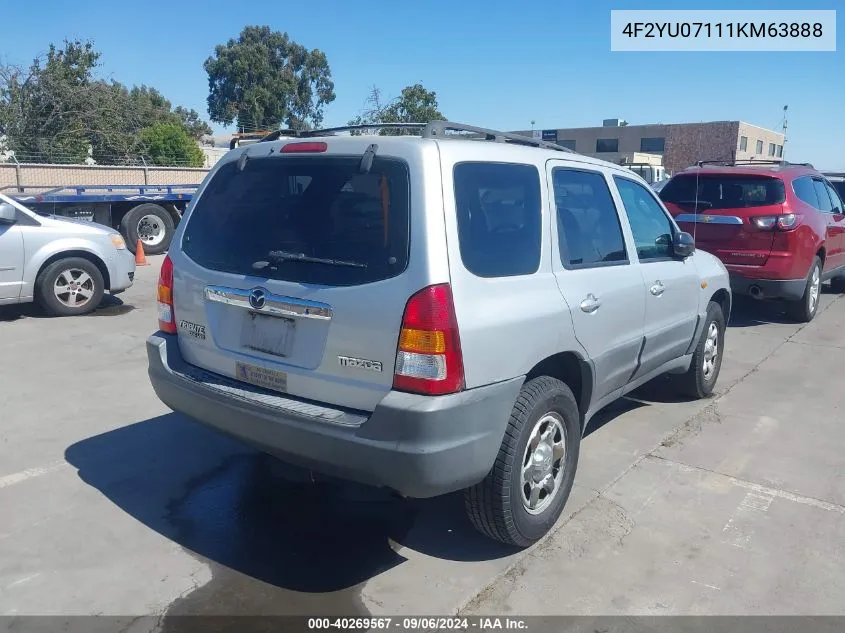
(538, 453)
(152, 224)
(70, 287)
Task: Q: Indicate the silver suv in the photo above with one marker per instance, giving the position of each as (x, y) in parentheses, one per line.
(430, 313)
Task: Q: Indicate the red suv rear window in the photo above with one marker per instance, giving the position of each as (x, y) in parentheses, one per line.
(723, 191)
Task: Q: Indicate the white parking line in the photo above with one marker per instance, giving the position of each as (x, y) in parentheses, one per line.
(30, 473)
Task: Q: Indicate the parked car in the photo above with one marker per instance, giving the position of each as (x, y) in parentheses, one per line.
(65, 265)
(401, 311)
(778, 228)
(837, 179)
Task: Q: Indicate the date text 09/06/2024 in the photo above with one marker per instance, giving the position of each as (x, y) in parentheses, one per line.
(723, 29)
(418, 623)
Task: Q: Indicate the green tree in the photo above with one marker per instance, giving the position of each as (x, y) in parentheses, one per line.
(264, 79)
(415, 104)
(57, 110)
(170, 144)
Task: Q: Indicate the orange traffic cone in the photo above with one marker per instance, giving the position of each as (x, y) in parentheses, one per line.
(140, 258)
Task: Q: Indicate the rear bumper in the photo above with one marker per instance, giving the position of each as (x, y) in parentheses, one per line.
(790, 289)
(420, 446)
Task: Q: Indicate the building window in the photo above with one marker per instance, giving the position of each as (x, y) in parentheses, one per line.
(780, 151)
(743, 143)
(607, 145)
(759, 147)
(567, 143)
(652, 145)
(771, 149)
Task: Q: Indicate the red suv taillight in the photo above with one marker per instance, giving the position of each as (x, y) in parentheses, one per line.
(166, 315)
(429, 359)
(785, 222)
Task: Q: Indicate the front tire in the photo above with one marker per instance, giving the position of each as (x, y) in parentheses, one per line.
(525, 492)
(804, 309)
(700, 379)
(70, 287)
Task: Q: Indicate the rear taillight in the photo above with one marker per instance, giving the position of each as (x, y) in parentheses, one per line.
(429, 359)
(166, 316)
(784, 222)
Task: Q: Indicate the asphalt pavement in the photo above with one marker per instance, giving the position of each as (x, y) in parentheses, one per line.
(112, 504)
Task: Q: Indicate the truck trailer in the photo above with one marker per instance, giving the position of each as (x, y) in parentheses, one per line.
(146, 212)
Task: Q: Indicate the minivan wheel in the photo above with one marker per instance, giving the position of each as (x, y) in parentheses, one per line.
(804, 309)
(70, 287)
(524, 493)
(700, 379)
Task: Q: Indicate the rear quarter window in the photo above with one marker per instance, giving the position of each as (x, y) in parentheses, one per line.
(317, 207)
(499, 218)
(723, 191)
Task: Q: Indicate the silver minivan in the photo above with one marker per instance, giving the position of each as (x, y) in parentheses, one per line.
(65, 265)
(430, 313)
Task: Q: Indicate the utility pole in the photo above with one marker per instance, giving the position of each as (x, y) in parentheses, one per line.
(783, 154)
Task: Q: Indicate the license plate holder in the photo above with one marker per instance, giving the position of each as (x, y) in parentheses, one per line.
(268, 334)
(262, 377)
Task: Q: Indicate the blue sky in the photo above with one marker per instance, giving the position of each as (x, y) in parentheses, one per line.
(495, 64)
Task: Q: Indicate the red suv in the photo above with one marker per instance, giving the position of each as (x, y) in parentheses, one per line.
(778, 228)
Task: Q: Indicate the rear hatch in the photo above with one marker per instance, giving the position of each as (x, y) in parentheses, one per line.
(290, 275)
(717, 209)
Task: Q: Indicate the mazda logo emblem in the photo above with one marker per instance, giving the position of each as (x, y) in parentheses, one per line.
(256, 298)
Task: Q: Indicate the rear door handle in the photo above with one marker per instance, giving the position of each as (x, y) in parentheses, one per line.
(657, 288)
(591, 303)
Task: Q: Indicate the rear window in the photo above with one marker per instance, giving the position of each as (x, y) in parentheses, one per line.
(260, 220)
(723, 191)
(498, 211)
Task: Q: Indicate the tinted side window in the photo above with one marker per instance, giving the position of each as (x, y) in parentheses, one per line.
(835, 198)
(824, 199)
(651, 228)
(805, 191)
(499, 218)
(588, 226)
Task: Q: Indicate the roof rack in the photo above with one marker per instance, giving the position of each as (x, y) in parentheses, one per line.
(745, 162)
(836, 174)
(433, 129)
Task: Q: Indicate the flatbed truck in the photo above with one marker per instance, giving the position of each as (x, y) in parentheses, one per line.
(146, 212)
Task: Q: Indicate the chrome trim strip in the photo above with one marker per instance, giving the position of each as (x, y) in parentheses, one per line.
(276, 305)
(705, 218)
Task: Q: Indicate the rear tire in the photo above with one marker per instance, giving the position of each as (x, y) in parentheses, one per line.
(150, 222)
(70, 287)
(804, 309)
(700, 379)
(545, 414)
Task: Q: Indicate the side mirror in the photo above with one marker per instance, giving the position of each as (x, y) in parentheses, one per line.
(8, 214)
(683, 245)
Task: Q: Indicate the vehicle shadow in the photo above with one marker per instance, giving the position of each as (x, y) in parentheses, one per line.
(109, 306)
(251, 513)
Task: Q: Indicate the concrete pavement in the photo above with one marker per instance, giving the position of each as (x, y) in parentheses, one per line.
(114, 505)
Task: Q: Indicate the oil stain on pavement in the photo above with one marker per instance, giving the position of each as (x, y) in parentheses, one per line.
(277, 540)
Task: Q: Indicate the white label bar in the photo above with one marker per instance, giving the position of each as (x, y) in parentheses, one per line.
(709, 30)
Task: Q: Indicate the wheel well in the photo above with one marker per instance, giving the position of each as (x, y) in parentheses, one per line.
(821, 253)
(723, 298)
(570, 369)
(99, 263)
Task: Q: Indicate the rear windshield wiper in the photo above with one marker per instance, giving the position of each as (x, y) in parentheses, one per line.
(286, 256)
